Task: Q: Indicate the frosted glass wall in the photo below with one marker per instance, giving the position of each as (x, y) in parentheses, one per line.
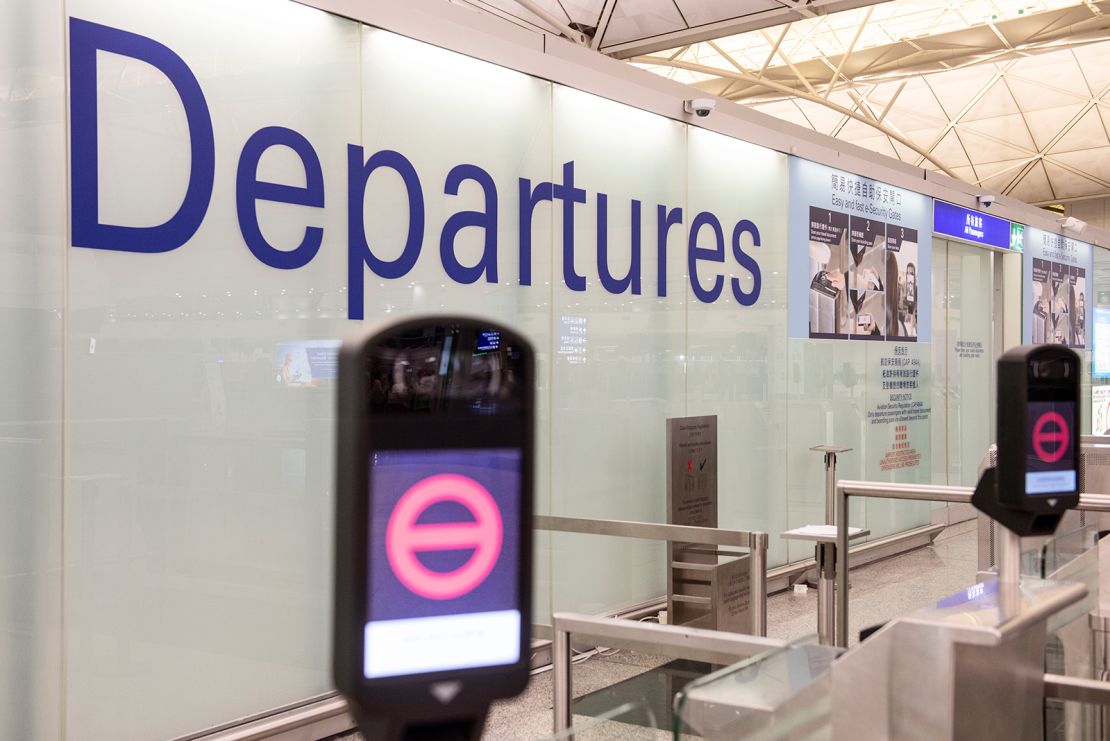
(32, 246)
(198, 480)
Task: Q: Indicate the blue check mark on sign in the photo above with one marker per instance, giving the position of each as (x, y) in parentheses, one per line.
(702, 464)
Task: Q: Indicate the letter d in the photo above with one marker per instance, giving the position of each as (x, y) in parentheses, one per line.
(85, 40)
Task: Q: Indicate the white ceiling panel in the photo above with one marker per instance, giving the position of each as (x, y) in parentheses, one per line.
(957, 88)
(997, 139)
(822, 119)
(998, 175)
(967, 174)
(1060, 70)
(639, 19)
(853, 131)
(1094, 162)
(1067, 184)
(879, 143)
(1041, 94)
(1034, 187)
(1093, 63)
(950, 150)
(1087, 134)
(515, 9)
(916, 108)
(997, 101)
(905, 153)
(1046, 124)
(787, 110)
(585, 12)
(698, 12)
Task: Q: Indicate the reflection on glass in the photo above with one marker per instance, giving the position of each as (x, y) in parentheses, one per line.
(439, 367)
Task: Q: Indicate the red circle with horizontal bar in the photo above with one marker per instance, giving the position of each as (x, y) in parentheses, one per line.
(1058, 436)
(404, 538)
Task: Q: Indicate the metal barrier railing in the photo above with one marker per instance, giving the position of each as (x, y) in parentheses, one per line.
(920, 492)
(755, 542)
(677, 641)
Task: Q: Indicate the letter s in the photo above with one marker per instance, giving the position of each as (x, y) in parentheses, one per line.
(746, 298)
(85, 40)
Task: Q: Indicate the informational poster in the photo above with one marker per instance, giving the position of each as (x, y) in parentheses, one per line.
(1100, 410)
(901, 404)
(1057, 271)
(1100, 355)
(573, 336)
(692, 471)
(860, 257)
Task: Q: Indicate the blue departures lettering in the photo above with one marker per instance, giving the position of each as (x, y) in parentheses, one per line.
(666, 219)
(746, 261)
(248, 189)
(632, 279)
(485, 220)
(569, 195)
(529, 198)
(716, 253)
(358, 251)
(87, 39)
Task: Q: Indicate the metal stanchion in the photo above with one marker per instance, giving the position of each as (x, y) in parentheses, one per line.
(560, 678)
(830, 452)
(841, 596)
(1009, 574)
(758, 583)
(826, 585)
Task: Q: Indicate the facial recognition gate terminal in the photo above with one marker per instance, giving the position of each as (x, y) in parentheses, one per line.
(433, 526)
(1037, 475)
(1036, 479)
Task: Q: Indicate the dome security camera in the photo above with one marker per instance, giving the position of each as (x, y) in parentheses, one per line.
(986, 200)
(700, 107)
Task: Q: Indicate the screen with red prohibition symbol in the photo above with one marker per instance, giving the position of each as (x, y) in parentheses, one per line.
(1049, 453)
(444, 560)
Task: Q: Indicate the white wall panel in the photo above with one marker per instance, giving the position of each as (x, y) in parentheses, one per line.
(32, 247)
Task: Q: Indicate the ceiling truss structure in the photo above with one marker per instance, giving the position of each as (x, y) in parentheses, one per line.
(1019, 105)
(1010, 95)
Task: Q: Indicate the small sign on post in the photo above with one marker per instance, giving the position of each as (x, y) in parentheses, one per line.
(701, 591)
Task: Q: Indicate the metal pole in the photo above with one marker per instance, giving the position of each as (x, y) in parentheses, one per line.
(830, 488)
(841, 598)
(758, 583)
(1009, 575)
(826, 589)
(560, 678)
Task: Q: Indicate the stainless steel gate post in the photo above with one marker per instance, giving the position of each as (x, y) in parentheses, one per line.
(830, 452)
(757, 564)
(560, 678)
(826, 591)
(1009, 574)
(841, 596)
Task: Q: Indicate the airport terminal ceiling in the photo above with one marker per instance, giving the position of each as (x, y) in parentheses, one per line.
(1009, 95)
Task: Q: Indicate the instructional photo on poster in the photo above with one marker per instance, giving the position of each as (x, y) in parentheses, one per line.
(1058, 299)
(901, 284)
(1077, 319)
(828, 273)
(869, 314)
(1041, 292)
(867, 248)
